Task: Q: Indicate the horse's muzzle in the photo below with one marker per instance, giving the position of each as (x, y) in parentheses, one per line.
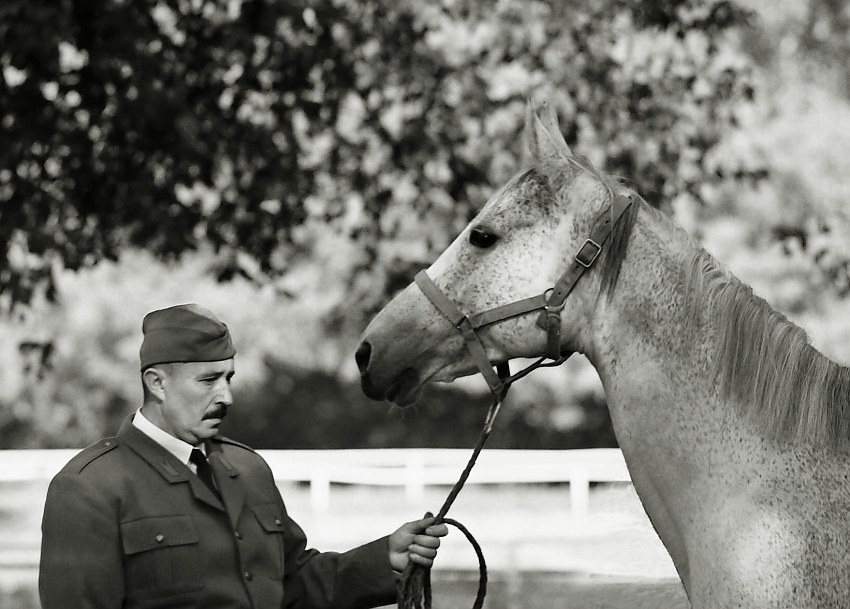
(362, 357)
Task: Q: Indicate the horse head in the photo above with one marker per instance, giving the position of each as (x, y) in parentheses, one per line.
(532, 233)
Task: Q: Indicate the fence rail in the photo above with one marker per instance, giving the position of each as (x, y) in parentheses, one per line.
(412, 469)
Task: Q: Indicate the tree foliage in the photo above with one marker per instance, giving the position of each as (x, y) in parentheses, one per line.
(324, 150)
(801, 53)
(172, 124)
(825, 41)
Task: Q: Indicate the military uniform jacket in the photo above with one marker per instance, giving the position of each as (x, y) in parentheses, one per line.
(127, 525)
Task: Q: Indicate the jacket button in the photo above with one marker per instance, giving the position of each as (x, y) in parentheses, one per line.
(160, 538)
(278, 521)
(238, 535)
(107, 443)
(248, 575)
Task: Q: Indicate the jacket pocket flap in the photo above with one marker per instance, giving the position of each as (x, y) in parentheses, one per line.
(157, 532)
(270, 516)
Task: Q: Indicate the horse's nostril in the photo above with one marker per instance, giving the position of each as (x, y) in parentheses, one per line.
(361, 356)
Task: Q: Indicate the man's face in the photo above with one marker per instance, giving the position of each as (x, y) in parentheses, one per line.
(196, 396)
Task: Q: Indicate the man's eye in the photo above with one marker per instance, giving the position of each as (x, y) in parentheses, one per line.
(481, 237)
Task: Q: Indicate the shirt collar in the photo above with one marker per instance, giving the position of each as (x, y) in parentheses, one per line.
(175, 446)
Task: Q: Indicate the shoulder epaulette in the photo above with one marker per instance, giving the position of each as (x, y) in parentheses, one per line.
(87, 455)
(225, 440)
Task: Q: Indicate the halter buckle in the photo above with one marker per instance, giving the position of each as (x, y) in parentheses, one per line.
(588, 253)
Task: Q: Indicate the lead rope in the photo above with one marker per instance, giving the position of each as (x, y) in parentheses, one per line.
(414, 587)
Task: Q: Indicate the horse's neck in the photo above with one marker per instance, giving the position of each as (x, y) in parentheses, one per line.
(658, 370)
(683, 444)
(709, 471)
(741, 371)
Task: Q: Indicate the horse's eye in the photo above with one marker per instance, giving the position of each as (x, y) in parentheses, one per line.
(481, 237)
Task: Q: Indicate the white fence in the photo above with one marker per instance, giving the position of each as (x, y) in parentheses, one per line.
(413, 469)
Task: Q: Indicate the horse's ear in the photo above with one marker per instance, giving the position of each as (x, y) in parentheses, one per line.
(543, 136)
(530, 133)
(550, 121)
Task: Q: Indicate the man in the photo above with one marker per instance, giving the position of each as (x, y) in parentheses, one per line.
(170, 514)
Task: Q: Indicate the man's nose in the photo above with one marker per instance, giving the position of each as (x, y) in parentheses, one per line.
(226, 395)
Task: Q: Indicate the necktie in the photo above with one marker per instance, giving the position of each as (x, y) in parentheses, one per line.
(204, 470)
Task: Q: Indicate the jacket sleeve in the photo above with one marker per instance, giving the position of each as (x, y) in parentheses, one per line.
(81, 556)
(357, 579)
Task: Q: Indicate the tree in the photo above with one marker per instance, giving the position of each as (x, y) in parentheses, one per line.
(802, 54)
(172, 124)
(325, 149)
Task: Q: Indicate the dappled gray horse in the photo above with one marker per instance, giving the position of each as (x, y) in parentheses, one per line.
(735, 429)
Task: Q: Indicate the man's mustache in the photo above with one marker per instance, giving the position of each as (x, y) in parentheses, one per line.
(219, 412)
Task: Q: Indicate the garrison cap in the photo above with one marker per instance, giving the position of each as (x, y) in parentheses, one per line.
(184, 333)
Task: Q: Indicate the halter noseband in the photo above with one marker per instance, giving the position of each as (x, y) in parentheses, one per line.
(551, 301)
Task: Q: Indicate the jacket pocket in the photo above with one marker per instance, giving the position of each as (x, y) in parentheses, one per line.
(270, 517)
(161, 556)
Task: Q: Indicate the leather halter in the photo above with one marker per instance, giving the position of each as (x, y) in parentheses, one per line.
(551, 301)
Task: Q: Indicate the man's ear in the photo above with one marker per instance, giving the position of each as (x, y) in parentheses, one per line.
(154, 381)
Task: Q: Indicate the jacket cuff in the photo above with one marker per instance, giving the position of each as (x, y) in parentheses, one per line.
(374, 560)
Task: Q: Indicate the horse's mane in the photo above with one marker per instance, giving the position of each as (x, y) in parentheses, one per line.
(764, 362)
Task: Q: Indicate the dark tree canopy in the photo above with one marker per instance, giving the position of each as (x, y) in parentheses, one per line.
(327, 149)
(173, 124)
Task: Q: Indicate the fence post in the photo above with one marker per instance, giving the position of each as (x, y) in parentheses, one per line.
(414, 478)
(579, 490)
(320, 488)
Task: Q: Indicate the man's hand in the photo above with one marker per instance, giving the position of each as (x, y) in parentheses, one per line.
(416, 542)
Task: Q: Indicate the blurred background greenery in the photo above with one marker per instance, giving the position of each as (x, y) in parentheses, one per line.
(291, 165)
